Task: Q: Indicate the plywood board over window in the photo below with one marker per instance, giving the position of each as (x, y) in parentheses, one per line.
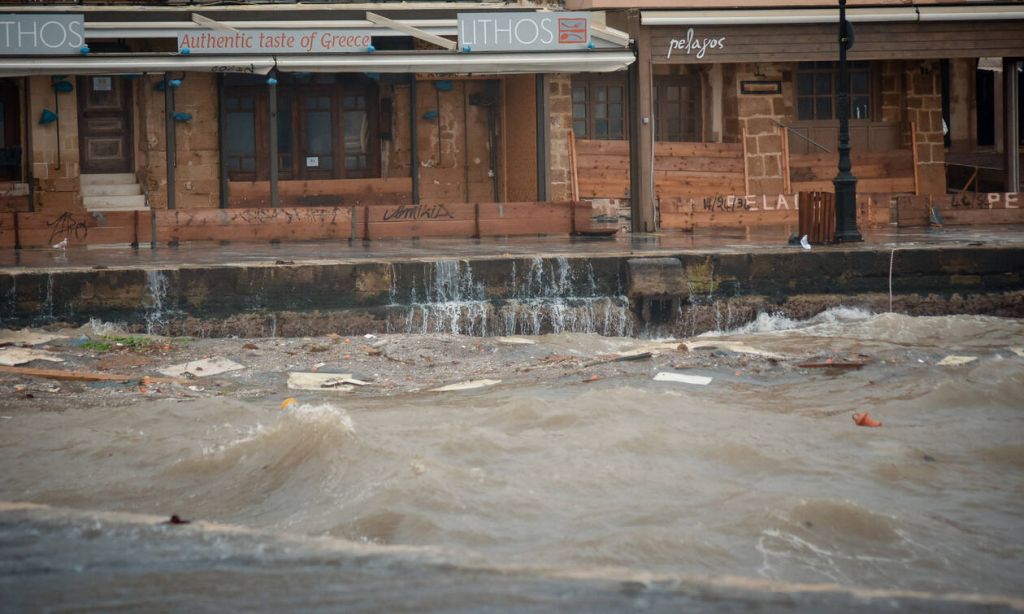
(326, 126)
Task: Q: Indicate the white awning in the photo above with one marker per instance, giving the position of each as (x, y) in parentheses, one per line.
(133, 65)
(380, 62)
(756, 17)
(461, 63)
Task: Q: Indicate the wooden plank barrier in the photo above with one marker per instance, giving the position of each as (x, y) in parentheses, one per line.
(963, 209)
(45, 229)
(322, 193)
(680, 169)
(8, 231)
(891, 171)
(755, 210)
(255, 224)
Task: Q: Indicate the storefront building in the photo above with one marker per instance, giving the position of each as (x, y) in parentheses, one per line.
(743, 102)
(279, 107)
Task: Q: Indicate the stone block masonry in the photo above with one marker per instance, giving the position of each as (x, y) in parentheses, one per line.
(923, 81)
(759, 119)
(55, 165)
(560, 112)
(197, 174)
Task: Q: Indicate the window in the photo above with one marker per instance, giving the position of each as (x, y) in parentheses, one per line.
(324, 128)
(599, 108)
(677, 108)
(817, 84)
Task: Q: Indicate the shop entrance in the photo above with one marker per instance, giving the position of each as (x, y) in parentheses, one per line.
(105, 124)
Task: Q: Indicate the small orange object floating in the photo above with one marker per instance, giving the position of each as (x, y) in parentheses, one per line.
(865, 419)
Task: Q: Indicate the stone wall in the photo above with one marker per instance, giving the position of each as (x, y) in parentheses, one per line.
(560, 113)
(197, 174)
(924, 109)
(56, 176)
(759, 118)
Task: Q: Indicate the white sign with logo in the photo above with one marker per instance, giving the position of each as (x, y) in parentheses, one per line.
(41, 34)
(524, 31)
(275, 41)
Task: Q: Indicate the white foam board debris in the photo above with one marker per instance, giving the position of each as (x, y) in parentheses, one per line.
(682, 378)
(956, 361)
(27, 336)
(337, 382)
(470, 385)
(202, 368)
(516, 341)
(1019, 351)
(10, 357)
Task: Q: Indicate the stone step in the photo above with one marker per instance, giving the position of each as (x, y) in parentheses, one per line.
(115, 203)
(108, 178)
(117, 189)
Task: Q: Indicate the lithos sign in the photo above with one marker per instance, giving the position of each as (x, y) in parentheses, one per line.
(41, 34)
(524, 31)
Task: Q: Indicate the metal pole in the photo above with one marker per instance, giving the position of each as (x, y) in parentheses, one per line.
(29, 167)
(845, 183)
(414, 152)
(1011, 123)
(272, 107)
(542, 138)
(169, 137)
(225, 192)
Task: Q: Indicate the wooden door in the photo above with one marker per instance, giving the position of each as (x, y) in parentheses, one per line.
(105, 124)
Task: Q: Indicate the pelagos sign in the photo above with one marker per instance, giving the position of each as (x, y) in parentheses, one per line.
(697, 46)
(524, 31)
(41, 34)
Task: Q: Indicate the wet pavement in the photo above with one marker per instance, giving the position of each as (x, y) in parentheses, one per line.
(623, 244)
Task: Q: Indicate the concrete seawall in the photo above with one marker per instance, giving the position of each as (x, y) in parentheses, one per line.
(678, 293)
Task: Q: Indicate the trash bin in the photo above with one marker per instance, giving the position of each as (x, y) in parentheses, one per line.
(818, 217)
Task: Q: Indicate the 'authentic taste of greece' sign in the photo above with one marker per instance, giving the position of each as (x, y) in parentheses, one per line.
(275, 41)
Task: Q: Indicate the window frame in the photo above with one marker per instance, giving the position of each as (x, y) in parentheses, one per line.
(292, 95)
(660, 101)
(873, 93)
(589, 83)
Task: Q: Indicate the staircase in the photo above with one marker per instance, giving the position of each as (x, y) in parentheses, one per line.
(112, 192)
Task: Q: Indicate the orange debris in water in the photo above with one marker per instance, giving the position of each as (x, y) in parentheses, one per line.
(865, 419)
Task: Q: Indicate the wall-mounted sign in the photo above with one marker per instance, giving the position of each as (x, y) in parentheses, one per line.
(695, 45)
(760, 88)
(275, 41)
(544, 31)
(41, 34)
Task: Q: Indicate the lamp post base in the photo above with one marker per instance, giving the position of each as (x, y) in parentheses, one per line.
(846, 209)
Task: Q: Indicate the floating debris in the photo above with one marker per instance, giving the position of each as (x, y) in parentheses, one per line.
(516, 341)
(865, 419)
(468, 385)
(202, 368)
(682, 378)
(18, 356)
(956, 361)
(339, 382)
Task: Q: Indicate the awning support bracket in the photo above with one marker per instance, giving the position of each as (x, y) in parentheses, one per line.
(423, 35)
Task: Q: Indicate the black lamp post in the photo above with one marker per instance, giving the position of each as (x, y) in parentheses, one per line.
(845, 182)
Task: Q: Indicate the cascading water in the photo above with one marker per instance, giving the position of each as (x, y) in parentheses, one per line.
(156, 289)
(550, 296)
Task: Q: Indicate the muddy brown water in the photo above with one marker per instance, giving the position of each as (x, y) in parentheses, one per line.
(581, 488)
